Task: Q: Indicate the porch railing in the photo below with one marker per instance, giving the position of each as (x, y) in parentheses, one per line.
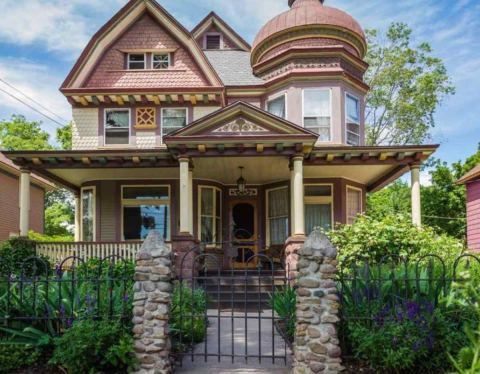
(57, 252)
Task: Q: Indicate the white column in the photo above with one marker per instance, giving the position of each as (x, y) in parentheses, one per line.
(298, 220)
(292, 201)
(77, 218)
(190, 200)
(24, 200)
(416, 201)
(184, 196)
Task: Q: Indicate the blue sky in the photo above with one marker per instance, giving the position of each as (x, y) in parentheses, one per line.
(41, 39)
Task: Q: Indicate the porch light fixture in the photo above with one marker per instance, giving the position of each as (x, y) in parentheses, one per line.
(241, 182)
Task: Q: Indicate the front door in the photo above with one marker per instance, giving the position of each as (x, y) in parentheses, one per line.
(243, 221)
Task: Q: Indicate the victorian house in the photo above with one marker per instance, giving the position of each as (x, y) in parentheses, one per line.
(212, 140)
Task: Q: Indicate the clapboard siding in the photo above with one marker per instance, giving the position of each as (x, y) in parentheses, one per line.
(473, 215)
(108, 211)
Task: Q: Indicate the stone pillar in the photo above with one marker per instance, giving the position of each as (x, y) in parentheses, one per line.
(298, 221)
(151, 305)
(185, 197)
(77, 217)
(416, 200)
(317, 347)
(24, 200)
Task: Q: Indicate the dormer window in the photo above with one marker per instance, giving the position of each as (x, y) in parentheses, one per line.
(160, 61)
(317, 108)
(213, 41)
(136, 61)
(353, 119)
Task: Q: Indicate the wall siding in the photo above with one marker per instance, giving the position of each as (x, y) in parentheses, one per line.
(473, 215)
(85, 128)
(146, 139)
(108, 203)
(202, 111)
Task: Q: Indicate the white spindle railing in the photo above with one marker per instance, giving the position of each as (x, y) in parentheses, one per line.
(57, 252)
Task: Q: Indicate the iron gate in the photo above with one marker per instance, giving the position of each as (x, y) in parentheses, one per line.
(228, 314)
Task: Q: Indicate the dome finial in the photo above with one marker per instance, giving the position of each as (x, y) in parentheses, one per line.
(291, 2)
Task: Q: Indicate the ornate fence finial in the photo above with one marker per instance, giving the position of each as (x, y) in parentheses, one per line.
(317, 348)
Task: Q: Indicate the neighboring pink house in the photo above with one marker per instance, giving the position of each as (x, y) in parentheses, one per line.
(472, 181)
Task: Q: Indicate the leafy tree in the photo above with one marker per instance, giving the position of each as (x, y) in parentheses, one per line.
(59, 217)
(407, 85)
(20, 134)
(395, 199)
(64, 136)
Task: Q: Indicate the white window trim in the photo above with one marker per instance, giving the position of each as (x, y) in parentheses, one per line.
(136, 202)
(312, 200)
(348, 187)
(144, 60)
(331, 111)
(275, 97)
(105, 128)
(94, 189)
(161, 54)
(162, 116)
(215, 189)
(212, 34)
(346, 118)
(267, 216)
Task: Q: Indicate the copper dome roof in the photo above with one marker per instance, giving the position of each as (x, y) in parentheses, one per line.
(305, 13)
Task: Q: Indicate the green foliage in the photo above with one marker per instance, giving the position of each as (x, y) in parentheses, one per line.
(37, 237)
(20, 134)
(187, 316)
(392, 200)
(58, 217)
(93, 347)
(29, 336)
(391, 236)
(14, 357)
(64, 136)
(407, 85)
(284, 303)
(13, 255)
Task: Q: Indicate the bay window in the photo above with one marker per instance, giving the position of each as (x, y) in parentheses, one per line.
(145, 208)
(353, 120)
(317, 112)
(354, 204)
(318, 207)
(277, 216)
(277, 106)
(210, 215)
(173, 119)
(87, 209)
(117, 126)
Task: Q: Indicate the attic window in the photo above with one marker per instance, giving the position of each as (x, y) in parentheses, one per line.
(212, 41)
(136, 61)
(161, 61)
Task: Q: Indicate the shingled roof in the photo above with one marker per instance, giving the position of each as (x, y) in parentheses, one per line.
(472, 175)
(233, 67)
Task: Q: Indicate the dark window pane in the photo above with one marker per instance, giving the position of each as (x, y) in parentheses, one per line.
(145, 193)
(213, 41)
(138, 221)
(318, 190)
(136, 61)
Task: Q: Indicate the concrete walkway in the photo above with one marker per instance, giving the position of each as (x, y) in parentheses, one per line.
(258, 337)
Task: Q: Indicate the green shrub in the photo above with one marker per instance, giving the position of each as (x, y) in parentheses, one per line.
(14, 357)
(35, 236)
(187, 316)
(95, 347)
(13, 254)
(392, 236)
(284, 303)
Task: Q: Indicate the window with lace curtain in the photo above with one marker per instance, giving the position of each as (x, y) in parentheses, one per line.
(353, 119)
(354, 204)
(318, 207)
(173, 119)
(210, 215)
(87, 229)
(277, 216)
(317, 112)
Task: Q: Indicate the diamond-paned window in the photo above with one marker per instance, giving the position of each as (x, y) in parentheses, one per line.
(161, 61)
(145, 117)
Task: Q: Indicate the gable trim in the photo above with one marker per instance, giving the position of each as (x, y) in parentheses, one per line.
(126, 17)
(214, 19)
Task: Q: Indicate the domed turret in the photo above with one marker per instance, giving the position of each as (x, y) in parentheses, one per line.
(308, 24)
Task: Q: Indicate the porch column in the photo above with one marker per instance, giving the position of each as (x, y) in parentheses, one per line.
(77, 217)
(292, 201)
(185, 198)
(298, 220)
(416, 201)
(190, 198)
(24, 200)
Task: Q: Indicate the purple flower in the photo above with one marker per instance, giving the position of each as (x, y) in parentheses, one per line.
(430, 341)
(58, 270)
(413, 309)
(48, 310)
(69, 322)
(416, 346)
(61, 311)
(125, 297)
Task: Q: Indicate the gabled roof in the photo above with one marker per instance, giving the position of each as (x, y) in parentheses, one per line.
(472, 175)
(244, 123)
(241, 75)
(117, 25)
(213, 19)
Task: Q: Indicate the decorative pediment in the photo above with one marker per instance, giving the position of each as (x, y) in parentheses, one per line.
(240, 126)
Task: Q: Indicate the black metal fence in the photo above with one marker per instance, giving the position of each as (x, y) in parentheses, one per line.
(37, 296)
(396, 290)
